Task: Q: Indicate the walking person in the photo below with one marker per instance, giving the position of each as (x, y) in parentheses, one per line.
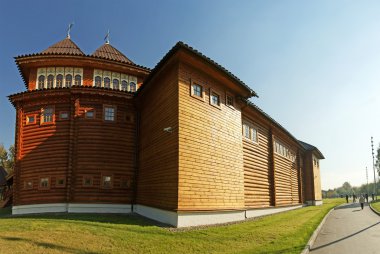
(346, 198)
(366, 197)
(361, 201)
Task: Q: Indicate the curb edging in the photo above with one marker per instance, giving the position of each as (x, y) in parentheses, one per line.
(373, 209)
(306, 250)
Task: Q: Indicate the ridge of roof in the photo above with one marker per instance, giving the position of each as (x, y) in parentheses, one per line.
(185, 46)
(309, 147)
(65, 46)
(107, 51)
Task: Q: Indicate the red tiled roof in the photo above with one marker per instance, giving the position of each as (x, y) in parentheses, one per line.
(66, 46)
(107, 51)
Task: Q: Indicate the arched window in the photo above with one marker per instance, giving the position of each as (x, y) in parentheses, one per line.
(59, 80)
(41, 82)
(124, 85)
(78, 80)
(69, 80)
(50, 81)
(98, 81)
(115, 83)
(132, 87)
(107, 83)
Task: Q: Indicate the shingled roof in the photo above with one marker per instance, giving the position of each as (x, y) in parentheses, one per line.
(66, 46)
(106, 51)
(309, 147)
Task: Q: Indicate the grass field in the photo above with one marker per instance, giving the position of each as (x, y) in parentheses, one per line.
(82, 233)
(376, 205)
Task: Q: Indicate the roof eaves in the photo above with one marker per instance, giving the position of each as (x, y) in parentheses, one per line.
(252, 105)
(183, 45)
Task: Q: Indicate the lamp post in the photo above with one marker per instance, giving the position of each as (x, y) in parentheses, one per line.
(373, 166)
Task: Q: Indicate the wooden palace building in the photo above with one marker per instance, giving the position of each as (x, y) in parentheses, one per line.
(179, 143)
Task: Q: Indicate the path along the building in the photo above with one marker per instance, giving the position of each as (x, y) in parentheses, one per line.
(348, 229)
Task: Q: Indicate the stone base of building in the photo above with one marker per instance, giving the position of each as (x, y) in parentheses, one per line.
(71, 208)
(314, 202)
(176, 219)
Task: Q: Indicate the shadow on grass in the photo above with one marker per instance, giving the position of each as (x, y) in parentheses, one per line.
(118, 219)
(46, 245)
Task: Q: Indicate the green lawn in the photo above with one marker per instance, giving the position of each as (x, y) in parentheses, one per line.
(376, 205)
(80, 233)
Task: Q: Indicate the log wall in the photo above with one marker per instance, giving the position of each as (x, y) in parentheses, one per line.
(257, 170)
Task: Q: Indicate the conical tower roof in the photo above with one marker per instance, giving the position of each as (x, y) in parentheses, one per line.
(66, 47)
(107, 51)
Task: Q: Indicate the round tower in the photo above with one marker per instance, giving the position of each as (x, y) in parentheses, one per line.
(75, 130)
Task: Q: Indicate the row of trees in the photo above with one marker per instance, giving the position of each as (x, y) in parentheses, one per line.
(7, 158)
(346, 188)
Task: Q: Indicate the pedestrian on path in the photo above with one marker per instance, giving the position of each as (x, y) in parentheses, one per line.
(366, 197)
(346, 198)
(353, 198)
(361, 200)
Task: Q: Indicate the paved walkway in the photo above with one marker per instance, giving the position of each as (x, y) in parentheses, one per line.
(348, 229)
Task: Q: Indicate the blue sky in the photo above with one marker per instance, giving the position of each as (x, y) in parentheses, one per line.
(314, 64)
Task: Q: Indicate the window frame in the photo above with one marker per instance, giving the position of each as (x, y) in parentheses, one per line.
(43, 81)
(102, 181)
(27, 122)
(212, 91)
(114, 114)
(63, 112)
(42, 187)
(90, 110)
(75, 79)
(192, 94)
(84, 177)
(42, 122)
(28, 187)
(57, 178)
(251, 127)
(228, 95)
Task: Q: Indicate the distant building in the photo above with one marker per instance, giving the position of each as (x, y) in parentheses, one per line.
(180, 143)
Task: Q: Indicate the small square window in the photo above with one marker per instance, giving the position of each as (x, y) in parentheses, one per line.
(214, 99)
(90, 114)
(107, 181)
(63, 115)
(28, 184)
(31, 119)
(197, 90)
(60, 182)
(47, 115)
(44, 183)
(88, 181)
(229, 100)
(109, 113)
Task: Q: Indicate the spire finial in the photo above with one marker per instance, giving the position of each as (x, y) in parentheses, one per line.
(107, 38)
(69, 29)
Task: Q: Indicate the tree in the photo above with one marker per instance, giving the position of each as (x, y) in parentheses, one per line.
(7, 158)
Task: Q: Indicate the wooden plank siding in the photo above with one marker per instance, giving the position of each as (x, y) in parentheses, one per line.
(210, 147)
(257, 175)
(157, 183)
